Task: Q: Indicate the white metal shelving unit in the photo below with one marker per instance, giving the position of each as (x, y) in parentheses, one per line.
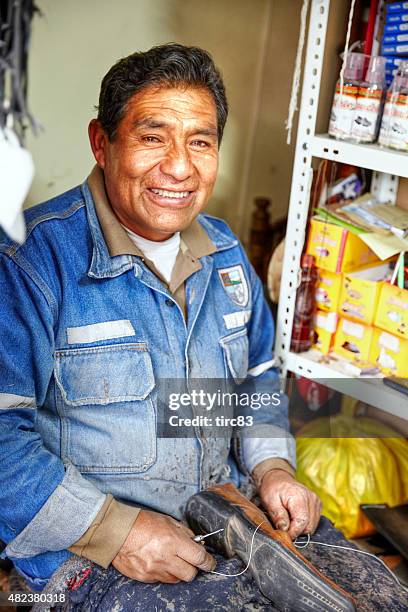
(387, 166)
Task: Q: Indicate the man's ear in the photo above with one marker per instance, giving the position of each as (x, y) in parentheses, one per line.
(98, 140)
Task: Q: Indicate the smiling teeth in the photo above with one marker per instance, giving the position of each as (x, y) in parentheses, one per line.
(171, 194)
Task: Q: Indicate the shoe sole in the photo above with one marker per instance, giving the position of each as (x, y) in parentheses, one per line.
(283, 576)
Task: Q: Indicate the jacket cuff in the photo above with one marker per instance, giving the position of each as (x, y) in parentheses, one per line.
(104, 538)
(66, 514)
(275, 442)
(274, 463)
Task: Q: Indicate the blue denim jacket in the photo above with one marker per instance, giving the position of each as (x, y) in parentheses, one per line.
(83, 339)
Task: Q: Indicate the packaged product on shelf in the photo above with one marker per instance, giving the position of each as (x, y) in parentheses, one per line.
(345, 188)
(328, 289)
(397, 7)
(336, 249)
(397, 18)
(353, 340)
(395, 49)
(393, 39)
(302, 330)
(360, 292)
(391, 65)
(396, 28)
(392, 310)
(390, 353)
(369, 102)
(394, 124)
(325, 324)
(389, 75)
(345, 98)
(393, 61)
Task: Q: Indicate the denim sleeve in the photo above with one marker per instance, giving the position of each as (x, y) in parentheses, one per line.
(270, 436)
(44, 504)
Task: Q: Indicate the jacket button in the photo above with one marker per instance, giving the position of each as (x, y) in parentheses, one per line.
(169, 303)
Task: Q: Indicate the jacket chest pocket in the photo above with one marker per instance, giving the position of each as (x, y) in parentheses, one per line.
(107, 408)
(235, 348)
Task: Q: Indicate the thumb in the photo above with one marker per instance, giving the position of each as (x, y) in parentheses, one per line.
(278, 514)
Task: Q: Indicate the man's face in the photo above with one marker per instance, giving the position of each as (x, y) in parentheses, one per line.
(161, 167)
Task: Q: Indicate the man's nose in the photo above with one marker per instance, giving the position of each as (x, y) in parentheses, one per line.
(177, 163)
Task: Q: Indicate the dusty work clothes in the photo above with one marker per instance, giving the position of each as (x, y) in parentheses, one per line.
(99, 590)
(85, 337)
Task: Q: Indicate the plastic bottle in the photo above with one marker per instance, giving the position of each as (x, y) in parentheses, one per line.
(394, 124)
(369, 102)
(344, 104)
(302, 331)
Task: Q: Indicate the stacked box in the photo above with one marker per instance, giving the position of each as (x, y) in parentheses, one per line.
(391, 65)
(392, 310)
(328, 288)
(336, 249)
(395, 37)
(396, 7)
(390, 353)
(396, 28)
(360, 293)
(400, 49)
(353, 340)
(325, 325)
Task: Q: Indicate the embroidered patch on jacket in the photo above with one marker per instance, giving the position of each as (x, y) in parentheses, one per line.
(235, 284)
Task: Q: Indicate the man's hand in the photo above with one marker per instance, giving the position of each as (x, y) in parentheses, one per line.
(160, 549)
(291, 506)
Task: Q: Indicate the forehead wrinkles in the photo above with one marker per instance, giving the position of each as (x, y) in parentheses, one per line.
(174, 106)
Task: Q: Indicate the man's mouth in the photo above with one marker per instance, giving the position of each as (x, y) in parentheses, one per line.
(168, 198)
(164, 193)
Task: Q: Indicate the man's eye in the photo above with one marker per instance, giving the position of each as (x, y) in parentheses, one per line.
(201, 144)
(152, 139)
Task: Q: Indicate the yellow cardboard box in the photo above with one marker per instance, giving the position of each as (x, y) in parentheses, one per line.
(325, 324)
(390, 353)
(360, 292)
(328, 289)
(392, 310)
(336, 249)
(353, 340)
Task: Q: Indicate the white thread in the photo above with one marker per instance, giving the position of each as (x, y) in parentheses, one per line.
(293, 104)
(305, 544)
(346, 46)
(249, 560)
(355, 550)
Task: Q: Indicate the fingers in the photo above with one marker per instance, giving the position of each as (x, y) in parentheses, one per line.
(315, 506)
(305, 510)
(298, 506)
(278, 513)
(292, 506)
(183, 570)
(161, 549)
(158, 577)
(197, 556)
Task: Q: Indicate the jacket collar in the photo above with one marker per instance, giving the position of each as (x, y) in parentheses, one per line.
(115, 253)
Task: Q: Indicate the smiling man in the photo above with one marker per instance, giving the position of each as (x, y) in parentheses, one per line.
(161, 165)
(123, 282)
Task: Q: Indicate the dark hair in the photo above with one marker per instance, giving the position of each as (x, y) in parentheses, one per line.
(170, 64)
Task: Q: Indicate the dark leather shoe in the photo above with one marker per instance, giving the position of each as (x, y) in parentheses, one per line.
(283, 575)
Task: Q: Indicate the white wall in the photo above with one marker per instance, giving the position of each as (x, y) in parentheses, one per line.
(76, 42)
(272, 159)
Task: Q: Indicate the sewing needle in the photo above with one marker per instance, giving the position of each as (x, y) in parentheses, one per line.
(200, 538)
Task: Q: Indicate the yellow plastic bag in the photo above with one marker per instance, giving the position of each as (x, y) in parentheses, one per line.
(348, 471)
